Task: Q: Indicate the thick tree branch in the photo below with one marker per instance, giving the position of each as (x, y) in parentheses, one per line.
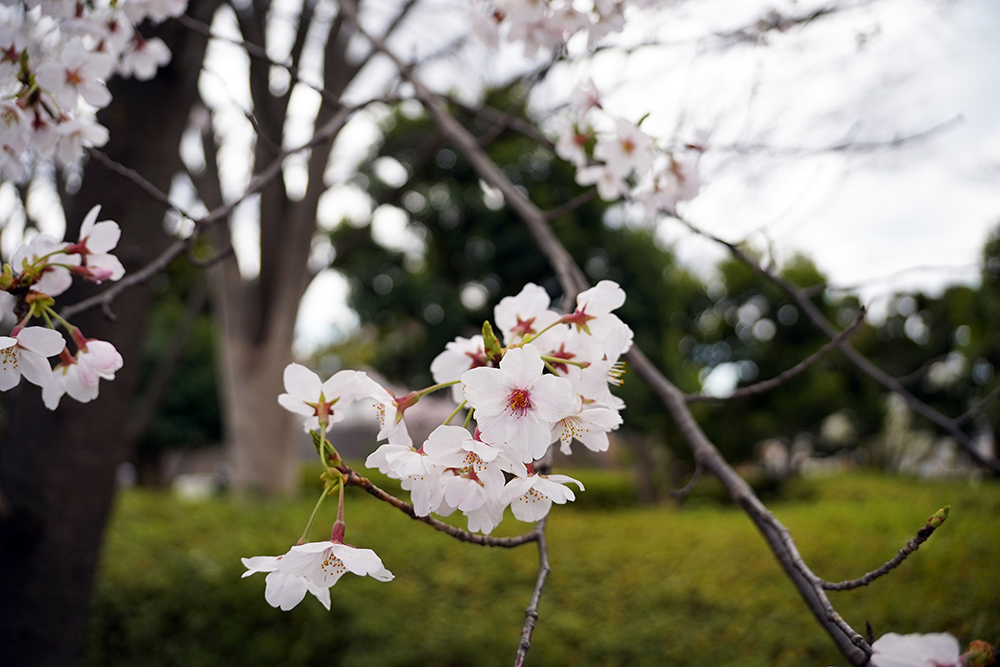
(785, 376)
(850, 643)
(863, 363)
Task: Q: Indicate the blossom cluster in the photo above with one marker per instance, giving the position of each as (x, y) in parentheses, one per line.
(40, 270)
(546, 26)
(627, 162)
(549, 382)
(55, 59)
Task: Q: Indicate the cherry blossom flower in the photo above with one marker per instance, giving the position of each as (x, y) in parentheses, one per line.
(593, 309)
(630, 149)
(416, 472)
(308, 396)
(458, 356)
(46, 255)
(26, 354)
(586, 97)
(313, 567)
(528, 314)
(589, 426)
(515, 404)
(80, 376)
(916, 650)
(610, 186)
(571, 145)
(390, 417)
(531, 497)
(78, 72)
(96, 239)
(74, 134)
(144, 58)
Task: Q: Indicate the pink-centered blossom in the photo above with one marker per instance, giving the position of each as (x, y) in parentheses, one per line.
(313, 567)
(96, 241)
(79, 72)
(531, 497)
(516, 404)
(458, 356)
(630, 149)
(26, 353)
(306, 395)
(528, 314)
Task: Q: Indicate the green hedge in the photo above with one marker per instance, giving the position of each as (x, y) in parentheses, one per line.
(629, 585)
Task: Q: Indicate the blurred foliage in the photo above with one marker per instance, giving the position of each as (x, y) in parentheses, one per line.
(187, 414)
(629, 586)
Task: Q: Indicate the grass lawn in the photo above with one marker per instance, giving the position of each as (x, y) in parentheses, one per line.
(629, 585)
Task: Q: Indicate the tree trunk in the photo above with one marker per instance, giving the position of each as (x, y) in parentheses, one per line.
(257, 317)
(57, 469)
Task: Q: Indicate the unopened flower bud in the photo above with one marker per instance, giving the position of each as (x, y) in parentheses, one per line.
(6, 278)
(491, 344)
(979, 654)
(939, 517)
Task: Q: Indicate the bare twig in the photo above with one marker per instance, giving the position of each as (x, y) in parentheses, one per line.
(863, 363)
(785, 376)
(850, 643)
(175, 249)
(570, 206)
(978, 407)
(531, 612)
(685, 491)
(354, 479)
(932, 524)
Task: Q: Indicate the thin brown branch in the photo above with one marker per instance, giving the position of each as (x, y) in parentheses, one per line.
(175, 249)
(570, 206)
(685, 491)
(785, 376)
(354, 479)
(863, 363)
(842, 147)
(932, 524)
(531, 612)
(850, 643)
(972, 412)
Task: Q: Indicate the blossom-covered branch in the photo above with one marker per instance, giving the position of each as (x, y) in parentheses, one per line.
(851, 644)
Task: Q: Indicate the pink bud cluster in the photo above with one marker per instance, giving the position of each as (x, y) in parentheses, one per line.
(40, 270)
(55, 59)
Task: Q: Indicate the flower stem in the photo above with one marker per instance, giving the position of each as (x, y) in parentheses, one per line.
(312, 517)
(468, 418)
(423, 392)
(452, 415)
